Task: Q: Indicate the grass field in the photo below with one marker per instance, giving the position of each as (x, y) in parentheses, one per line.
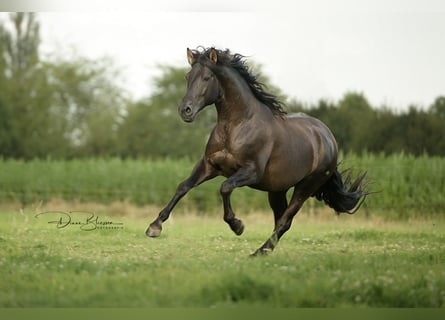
(323, 261)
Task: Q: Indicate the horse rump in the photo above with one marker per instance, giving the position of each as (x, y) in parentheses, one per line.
(343, 194)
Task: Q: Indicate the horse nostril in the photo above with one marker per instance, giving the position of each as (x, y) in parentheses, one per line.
(188, 110)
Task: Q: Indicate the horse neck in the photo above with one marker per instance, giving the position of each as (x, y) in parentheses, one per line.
(236, 99)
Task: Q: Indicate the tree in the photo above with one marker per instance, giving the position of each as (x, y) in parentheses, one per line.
(438, 107)
(62, 107)
(351, 120)
(356, 119)
(7, 131)
(24, 99)
(88, 102)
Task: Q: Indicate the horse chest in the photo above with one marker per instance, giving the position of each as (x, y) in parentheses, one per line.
(231, 146)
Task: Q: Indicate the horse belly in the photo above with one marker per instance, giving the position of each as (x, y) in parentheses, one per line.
(281, 175)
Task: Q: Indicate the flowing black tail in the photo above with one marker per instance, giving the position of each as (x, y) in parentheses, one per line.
(343, 196)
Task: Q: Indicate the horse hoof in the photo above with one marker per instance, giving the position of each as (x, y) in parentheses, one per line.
(261, 252)
(153, 231)
(238, 228)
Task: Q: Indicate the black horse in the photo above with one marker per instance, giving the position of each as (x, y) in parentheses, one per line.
(256, 144)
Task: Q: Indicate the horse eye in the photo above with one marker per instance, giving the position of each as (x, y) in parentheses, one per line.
(206, 78)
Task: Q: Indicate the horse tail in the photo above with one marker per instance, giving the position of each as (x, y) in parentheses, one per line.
(341, 193)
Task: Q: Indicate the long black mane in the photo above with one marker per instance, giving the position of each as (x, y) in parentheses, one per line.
(238, 63)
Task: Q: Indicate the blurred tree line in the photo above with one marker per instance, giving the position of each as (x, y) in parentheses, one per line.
(70, 107)
(358, 127)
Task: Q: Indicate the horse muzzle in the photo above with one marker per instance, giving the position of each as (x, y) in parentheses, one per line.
(187, 111)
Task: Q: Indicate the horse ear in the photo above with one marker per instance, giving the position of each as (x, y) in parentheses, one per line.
(213, 55)
(191, 57)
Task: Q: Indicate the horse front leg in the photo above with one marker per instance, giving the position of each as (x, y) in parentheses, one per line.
(243, 177)
(202, 172)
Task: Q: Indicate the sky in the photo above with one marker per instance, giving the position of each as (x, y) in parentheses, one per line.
(391, 51)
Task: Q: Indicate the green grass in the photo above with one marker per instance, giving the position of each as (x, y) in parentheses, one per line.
(199, 262)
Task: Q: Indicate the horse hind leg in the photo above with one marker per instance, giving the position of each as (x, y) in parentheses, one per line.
(302, 191)
(278, 203)
(282, 224)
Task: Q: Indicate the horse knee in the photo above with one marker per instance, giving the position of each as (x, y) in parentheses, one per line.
(226, 189)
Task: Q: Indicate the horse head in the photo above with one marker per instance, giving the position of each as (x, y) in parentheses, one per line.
(203, 88)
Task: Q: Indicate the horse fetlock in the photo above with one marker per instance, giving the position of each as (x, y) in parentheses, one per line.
(154, 230)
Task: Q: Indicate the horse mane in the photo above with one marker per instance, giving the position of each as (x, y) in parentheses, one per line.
(238, 63)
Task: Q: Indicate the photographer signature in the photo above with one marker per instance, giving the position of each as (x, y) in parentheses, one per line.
(90, 223)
